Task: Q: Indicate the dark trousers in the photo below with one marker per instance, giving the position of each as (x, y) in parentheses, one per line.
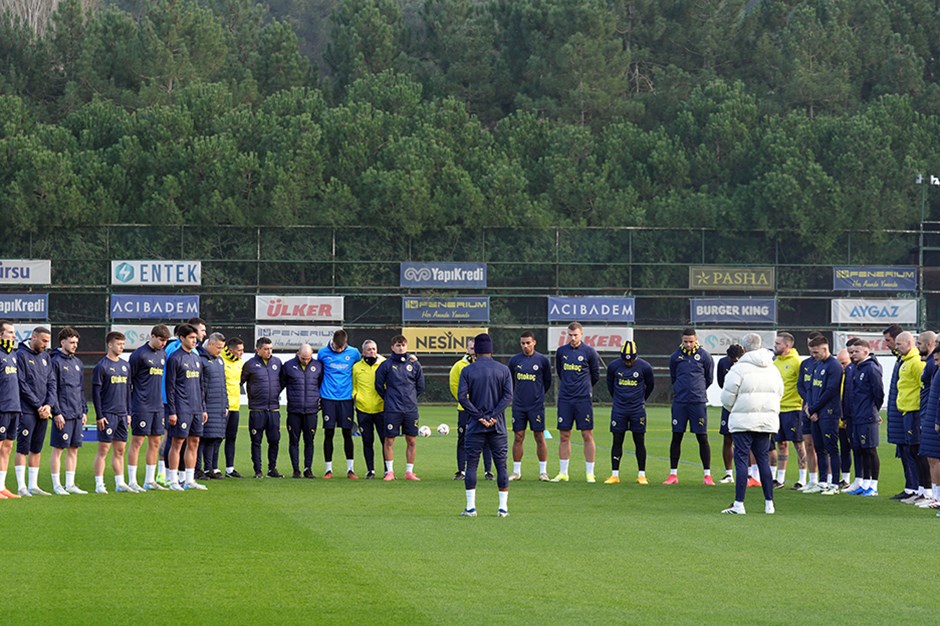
(826, 442)
(497, 446)
(370, 426)
(759, 445)
(845, 449)
(209, 454)
(301, 425)
(264, 424)
(462, 419)
(231, 432)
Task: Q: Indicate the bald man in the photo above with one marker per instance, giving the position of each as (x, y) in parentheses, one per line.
(301, 377)
(908, 403)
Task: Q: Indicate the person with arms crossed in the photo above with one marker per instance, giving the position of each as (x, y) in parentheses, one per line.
(462, 418)
(213, 369)
(146, 367)
(369, 404)
(751, 393)
(895, 428)
(232, 358)
(66, 396)
(110, 394)
(691, 371)
(336, 400)
(262, 378)
(579, 368)
(531, 379)
(33, 367)
(630, 382)
(10, 407)
(186, 403)
(400, 380)
(485, 392)
(301, 377)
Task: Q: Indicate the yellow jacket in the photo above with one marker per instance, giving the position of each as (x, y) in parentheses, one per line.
(909, 381)
(233, 380)
(455, 376)
(789, 368)
(367, 398)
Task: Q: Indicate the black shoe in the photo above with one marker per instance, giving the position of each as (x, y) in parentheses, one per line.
(459, 476)
(778, 485)
(797, 487)
(308, 473)
(843, 484)
(259, 475)
(489, 476)
(370, 475)
(273, 473)
(201, 475)
(900, 496)
(215, 475)
(297, 474)
(233, 474)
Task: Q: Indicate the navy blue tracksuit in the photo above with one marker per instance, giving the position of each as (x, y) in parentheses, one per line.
(302, 383)
(33, 369)
(485, 392)
(262, 380)
(825, 401)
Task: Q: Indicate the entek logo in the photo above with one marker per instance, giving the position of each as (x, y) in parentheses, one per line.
(124, 272)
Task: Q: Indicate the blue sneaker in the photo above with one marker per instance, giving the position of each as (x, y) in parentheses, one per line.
(856, 492)
(869, 493)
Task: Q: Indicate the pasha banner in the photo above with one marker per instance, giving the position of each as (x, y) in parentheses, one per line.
(731, 278)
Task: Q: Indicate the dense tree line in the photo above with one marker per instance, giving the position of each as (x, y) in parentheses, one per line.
(445, 115)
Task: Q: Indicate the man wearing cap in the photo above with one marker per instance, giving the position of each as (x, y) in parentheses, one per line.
(462, 418)
(752, 392)
(630, 383)
(485, 392)
(531, 380)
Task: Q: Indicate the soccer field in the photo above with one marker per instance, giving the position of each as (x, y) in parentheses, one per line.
(341, 551)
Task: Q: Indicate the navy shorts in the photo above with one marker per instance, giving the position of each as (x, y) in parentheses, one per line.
(337, 413)
(114, 430)
(69, 437)
(401, 423)
(533, 419)
(8, 422)
(186, 426)
(723, 425)
(806, 424)
(865, 435)
(691, 415)
(370, 421)
(911, 428)
(791, 427)
(147, 423)
(578, 413)
(621, 422)
(31, 434)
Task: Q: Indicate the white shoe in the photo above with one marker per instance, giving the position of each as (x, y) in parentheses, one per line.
(59, 490)
(544, 477)
(175, 487)
(502, 513)
(727, 479)
(102, 490)
(153, 486)
(831, 490)
(125, 488)
(515, 477)
(24, 493)
(36, 491)
(733, 510)
(926, 504)
(135, 488)
(769, 508)
(76, 490)
(814, 488)
(196, 486)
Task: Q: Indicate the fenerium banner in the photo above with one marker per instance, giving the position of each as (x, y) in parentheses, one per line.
(292, 337)
(734, 310)
(591, 309)
(25, 272)
(731, 278)
(299, 308)
(452, 340)
(173, 307)
(445, 309)
(874, 312)
(471, 275)
(871, 278)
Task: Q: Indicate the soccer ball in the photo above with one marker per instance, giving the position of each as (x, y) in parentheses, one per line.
(443, 429)
(424, 431)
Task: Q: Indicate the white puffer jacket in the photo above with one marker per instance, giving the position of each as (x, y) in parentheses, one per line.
(752, 392)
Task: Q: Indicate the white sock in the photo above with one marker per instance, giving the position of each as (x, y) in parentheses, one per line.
(563, 466)
(866, 484)
(615, 473)
(708, 472)
(3, 479)
(802, 476)
(69, 479)
(150, 473)
(845, 477)
(781, 475)
(589, 467)
(329, 466)
(813, 478)
(874, 484)
(190, 474)
(389, 466)
(56, 480)
(99, 482)
(517, 467)
(471, 499)
(543, 467)
(20, 471)
(729, 472)
(738, 506)
(33, 478)
(828, 479)
(229, 470)
(641, 473)
(936, 492)
(674, 472)
(171, 476)
(161, 467)
(119, 481)
(409, 468)
(752, 472)
(132, 474)
(773, 471)
(504, 500)
(349, 465)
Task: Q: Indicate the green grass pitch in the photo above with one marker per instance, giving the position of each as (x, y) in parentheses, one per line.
(336, 552)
